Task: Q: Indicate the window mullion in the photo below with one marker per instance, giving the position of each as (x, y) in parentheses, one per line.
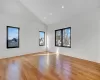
(61, 37)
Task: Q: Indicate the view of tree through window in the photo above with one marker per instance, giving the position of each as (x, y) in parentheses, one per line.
(42, 38)
(63, 37)
(66, 37)
(58, 38)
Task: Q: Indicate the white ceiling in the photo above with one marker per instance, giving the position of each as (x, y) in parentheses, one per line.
(51, 11)
(15, 8)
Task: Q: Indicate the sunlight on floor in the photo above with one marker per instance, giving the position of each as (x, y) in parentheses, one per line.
(57, 53)
(48, 58)
(13, 72)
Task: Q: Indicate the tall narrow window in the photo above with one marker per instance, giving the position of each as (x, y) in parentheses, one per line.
(63, 37)
(41, 38)
(67, 37)
(58, 38)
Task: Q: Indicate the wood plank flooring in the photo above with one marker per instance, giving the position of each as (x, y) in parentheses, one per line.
(48, 66)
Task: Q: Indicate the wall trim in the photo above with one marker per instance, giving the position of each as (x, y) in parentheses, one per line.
(42, 52)
(77, 58)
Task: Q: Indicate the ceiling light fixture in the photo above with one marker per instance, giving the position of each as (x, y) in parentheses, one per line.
(50, 13)
(44, 17)
(62, 6)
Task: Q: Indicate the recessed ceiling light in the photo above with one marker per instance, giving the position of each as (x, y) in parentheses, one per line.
(50, 13)
(62, 6)
(45, 18)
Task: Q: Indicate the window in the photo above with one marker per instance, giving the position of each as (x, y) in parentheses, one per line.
(58, 38)
(63, 37)
(12, 37)
(42, 38)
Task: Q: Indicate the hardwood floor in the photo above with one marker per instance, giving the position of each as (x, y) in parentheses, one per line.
(48, 67)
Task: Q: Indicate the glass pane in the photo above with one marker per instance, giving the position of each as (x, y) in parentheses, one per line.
(13, 37)
(42, 38)
(67, 37)
(58, 38)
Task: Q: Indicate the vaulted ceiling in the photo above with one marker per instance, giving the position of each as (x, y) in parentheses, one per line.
(50, 11)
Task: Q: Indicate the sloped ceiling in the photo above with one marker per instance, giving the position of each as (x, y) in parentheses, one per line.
(48, 11)
(51, 11)
(17, 9)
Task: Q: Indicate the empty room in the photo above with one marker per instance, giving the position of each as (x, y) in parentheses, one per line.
(49, 39)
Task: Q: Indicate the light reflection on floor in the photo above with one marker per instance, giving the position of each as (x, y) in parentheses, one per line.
(67, 69)
(42, 64)
(13, 72)
(63, 68)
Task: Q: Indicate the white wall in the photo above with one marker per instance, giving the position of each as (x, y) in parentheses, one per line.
(99, 43)
(13, 13)
(85, 36)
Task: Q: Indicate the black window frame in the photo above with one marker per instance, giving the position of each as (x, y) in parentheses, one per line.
(39, 38)
(7, 37)
(55, 36)
(62, 37)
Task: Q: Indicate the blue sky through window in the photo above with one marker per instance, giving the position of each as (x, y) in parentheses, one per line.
(68, 32)
(41, 34)
(12, 33)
